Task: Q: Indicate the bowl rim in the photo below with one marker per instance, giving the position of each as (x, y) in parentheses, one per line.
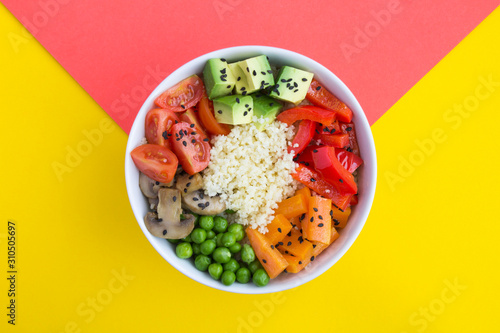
(368, 150)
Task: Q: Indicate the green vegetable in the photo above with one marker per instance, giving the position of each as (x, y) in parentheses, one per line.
(208, 246)
(228, 278)
(232, 266)
(247, 254)
(187, 238)
(228, 239)
(260, 278)
(243, 275)
(210, 234)
(222, 255)
(202, 262)
(207, 222)
(235, 248)
(218, 240)
(198, 235)
(237, 230)
(174, 241)
(254, 266)
(196, 248)
(184, 250)
(220, 224)
(215, 270)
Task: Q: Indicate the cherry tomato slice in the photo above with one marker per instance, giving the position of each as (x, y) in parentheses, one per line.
(155, 161)
(191, 147)
(157, 125)
(206, 114)
(183, 95)
(190, 117)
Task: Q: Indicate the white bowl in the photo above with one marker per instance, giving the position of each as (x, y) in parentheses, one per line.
(366, 181)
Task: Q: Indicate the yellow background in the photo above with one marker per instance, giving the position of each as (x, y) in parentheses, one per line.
(431, 227)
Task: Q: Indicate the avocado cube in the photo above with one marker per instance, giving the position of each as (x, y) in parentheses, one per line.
(233, 109)
(241, 85)
(258, 72)
(265, 109)
(292, 85)
(218, 78)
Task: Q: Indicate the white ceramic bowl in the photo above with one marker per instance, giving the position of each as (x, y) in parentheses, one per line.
(367, 172)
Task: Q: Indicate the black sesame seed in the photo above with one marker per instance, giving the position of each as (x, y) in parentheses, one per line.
(228, 86)
(207, 203)
(239, 78)
(195, 199)
(176, 121)
(279, 229)
(185, 190)
(283, 80)
(315, 209)
(312, 219)
(263, 73)
(223, 71)
(313, 180)
(289, 243)
(306, 163)
(332, 131)
(174, 198)
(222, 78)
(192, 125)
(304, 79)
(348, 129)
(270, 71)
(182, 106)
(222, 59)
(219, 111)
(164, 232)
(245, 113)
(314, 246)
(320, 217)
(296, 90)
(315, 151)
(193, 141)
(271, 104)
(301, 239)
(295, 84)
(246, 105)
(190, 177)
(188, 184)
(288, 85)
(336, 222)
(244, 93)
(202, 195)
(237, 100)
(320, 225)
(280, 243)
(316, 130)
(248, 70)
(289, 234)
(272, 246)
(286, 252)
(193, 133)
(165, 135)
(303, 216)
(201, 205)
(290, 79)
(349, 149)
(340, 180)
(243, 89)
(312, 258)
(264, 261)
(331, 212)
(206, 140)
(318, 87)
(157, 183)
(184, 143)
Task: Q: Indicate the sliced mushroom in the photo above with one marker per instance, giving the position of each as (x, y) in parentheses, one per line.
(160, 228)
(189, 183)
(150, 187)
(167, 223)
(202, 204)
(153, 203)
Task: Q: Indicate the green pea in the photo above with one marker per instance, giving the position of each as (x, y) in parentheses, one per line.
(196, 248)
(174, 241)
(222, 255)
(218, 240)
(202, 262)
(243, 275)
(198, 235)
(184, 250)
(260, 278)
(207, 222)
(228, 239)
(237, 230)
(187, 238)
(247, 254)
(228, 278)
(220, 224)
(215, 270)
(196, 218)
(208, 246)
(235, 248)
(254, 266)
(232, 265)
(210, 234)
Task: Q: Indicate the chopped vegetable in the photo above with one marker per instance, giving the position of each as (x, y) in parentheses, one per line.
(155, 161)
(183, 95)
(317, 225)
(349, 161)
(157, 126)
(206, 114)
(310, 112)
(294, 243)
(340, 217)
(278, 228)
(303, 137)
(320, 96)
(270, 258)
(327, 164)
(190, 146)
(333, 140)
(293, 206)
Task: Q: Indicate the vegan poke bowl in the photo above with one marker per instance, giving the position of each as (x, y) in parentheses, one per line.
(251, 169)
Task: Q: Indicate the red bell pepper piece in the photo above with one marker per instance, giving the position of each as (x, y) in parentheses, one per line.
(349, 160)
(306, 156)
(327, 164)
(334, 128)
(303, 137)
(351, 132)
(326, 117)
(315, 182)
(320, 96)
(354, 200)
(332, 140)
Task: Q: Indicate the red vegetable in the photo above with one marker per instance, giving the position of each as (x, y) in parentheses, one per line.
(333, 140)
(349, 160)
(190, 117)
(320, 96)
(310, 112)
(157, 162)
(183, 95)
(206, 114)
(315, 182)
(157, 126)
(191, 147)
(327, 164)
(303, 136)
(353, 141)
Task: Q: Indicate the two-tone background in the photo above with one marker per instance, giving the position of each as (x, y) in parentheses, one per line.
(74, 73)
